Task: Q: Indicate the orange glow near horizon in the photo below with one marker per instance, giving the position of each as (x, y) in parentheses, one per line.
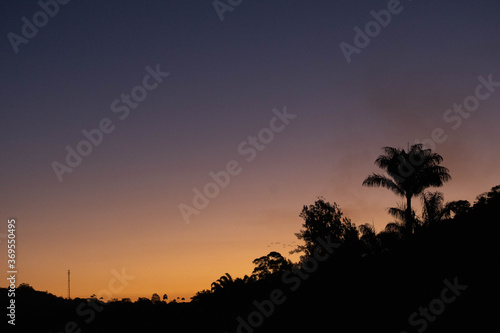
(118, 208)
(150, 241)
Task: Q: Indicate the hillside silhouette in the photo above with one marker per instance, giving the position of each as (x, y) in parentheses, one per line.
(432, 273)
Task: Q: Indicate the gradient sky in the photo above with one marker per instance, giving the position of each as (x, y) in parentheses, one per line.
(119, 208)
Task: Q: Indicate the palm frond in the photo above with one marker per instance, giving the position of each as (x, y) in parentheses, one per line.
(377, 180)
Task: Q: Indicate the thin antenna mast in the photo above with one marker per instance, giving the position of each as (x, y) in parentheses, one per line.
(69, 289)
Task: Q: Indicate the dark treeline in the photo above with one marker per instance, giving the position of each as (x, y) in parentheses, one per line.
(434, 273)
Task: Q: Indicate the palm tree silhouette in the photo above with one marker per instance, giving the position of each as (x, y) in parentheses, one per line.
(222, 282)
(435, 210)
(410, 173)
(399, 213)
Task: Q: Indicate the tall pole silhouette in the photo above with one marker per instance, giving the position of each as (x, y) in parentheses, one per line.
(69, 290)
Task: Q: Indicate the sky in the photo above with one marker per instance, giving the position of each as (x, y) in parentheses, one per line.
(283, 101)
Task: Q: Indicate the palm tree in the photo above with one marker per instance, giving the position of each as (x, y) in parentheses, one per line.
(435, 211)
(410, 173)
(399, 213)
(222, 282)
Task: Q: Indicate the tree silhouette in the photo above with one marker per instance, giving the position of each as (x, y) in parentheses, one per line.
(270, 264)
(459, 207)
(155, 298)
(165, 297)
(434, 210)
(399, 213)
(201, 295)
(369, 240)
(322, 220)
(484, 198)
(410, 173)
(383, 276)
(143, 300)
(25, 286)
(222, 282)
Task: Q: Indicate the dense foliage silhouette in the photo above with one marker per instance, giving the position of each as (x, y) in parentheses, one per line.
(370, 282)
(410, 173)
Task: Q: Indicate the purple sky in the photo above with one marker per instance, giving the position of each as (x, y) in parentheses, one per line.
(120, 206)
